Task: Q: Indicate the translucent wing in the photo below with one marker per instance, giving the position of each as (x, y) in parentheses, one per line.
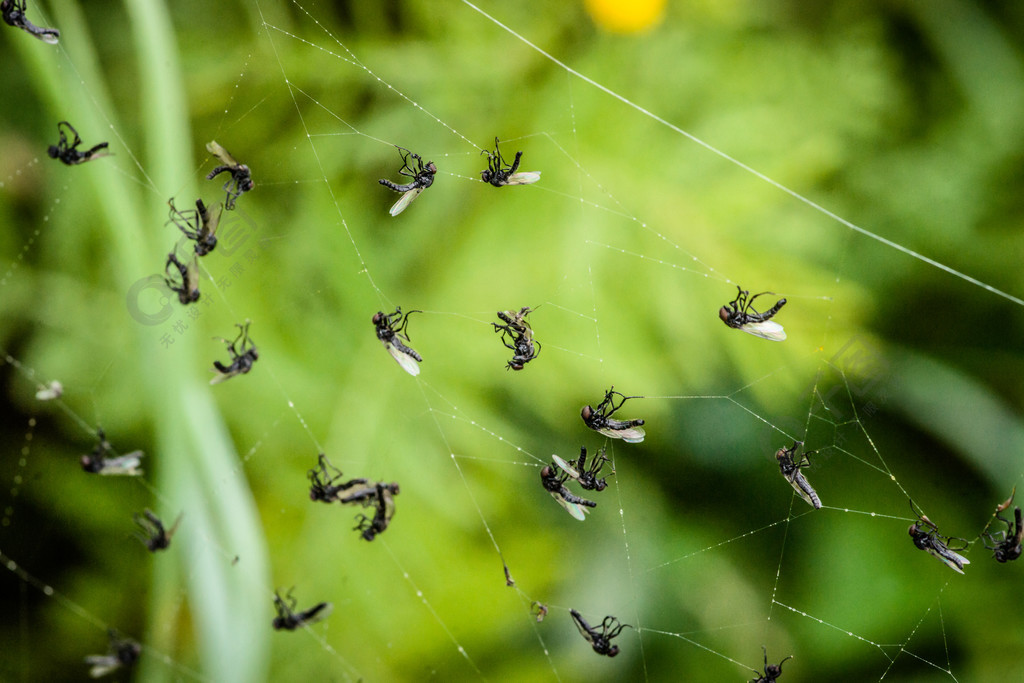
(127, 465)
(102, 665)
(581, 627)
(577, 511)
(216, 150)
(803, 488)
(524, 178)
(628, 434)
(566, 467)
(408, 363)
(50, 37)
(211, 221)
(768, 329)
(315, 614)
(404, 201)
(954, 561)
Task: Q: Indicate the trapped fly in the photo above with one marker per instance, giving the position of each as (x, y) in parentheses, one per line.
(13, 13)
(600, 640)
(199, 225)
(554, 483)
(516, 334)
(499, 173)
(771, 671)
(288, 619)
(98, 461)
(188, 273)
(1006, 544)
(600, 419)
(154, 536)
(741, 315)
(790, 468)
(243, 355)
(926, 537)
(384, 510)
(391, 332)
(122, 653)
(68, 152)
(322, 482)
(241, 177)
(422, 178)
(586, 476)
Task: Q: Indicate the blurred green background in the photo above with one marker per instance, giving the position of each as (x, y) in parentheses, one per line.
(902, 117)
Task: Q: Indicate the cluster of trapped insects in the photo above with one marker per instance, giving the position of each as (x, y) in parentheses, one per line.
(376, 499)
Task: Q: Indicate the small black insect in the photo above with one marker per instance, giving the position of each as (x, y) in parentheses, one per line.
(241, 177)
(554, 483)
(790, 468)
(422, 178)
(288, 619)
(243, 355)
(199, 225)
(103, 459)
(600, 640)
(322, 482)
(153, 535)
(188, 287)
(68, 152)
(586, 476)
(601, 421)
(13, 12)
(391, 332)
(121, 654)
(498, 173)
(771, 671)
(383, 512)
(926, 537)
(516, 334)
(1006, 544)
(740, 314)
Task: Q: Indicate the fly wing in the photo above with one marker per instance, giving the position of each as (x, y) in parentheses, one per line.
(216, 150)
(126, 465)
(408, 363)
(577, 619)
(318, 613)
(769, 329)
(223, 376)
(405, 200)
(211, 219)
(566, 467)
(803, 488)
(629, 435)
(577, 511)
(102, 665)
(953, 560)
(51, 391)
(524, 178)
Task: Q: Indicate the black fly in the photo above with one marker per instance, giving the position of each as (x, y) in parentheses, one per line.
(554, 483)
(322, 482)
(199, 225)
(422, 178)
(288, 619)
(790, 467)
(103, 459)
(1006, 544)
(740, 314)
(243, 355)
(380, 496)
(586, 476)
(68, 152)
(153, 535)
(499, 173)
(926, 537)
(600, 640)
(391, 332)
(188, 289)
(13, 13)
(600, 419)
(241, 177)
(516, 334)
(771, 671)
(121, 654)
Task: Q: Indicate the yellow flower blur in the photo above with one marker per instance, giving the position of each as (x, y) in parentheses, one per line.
(626, 16)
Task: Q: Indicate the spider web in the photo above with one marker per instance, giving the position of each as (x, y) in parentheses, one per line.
(698, 542)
